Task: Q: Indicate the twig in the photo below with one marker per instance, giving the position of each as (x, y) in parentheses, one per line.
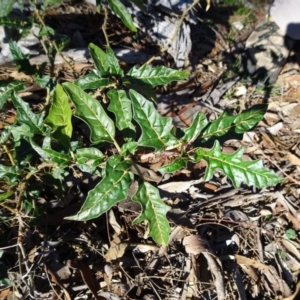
(187, 274)
(87, 277)
(56, 280)
(150, 281)
(104, 26)
(259, 244)
(214, 268)
(12, 161)
(22, 254)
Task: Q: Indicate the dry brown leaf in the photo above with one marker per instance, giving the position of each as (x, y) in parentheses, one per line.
(178, 186)
(282, 78)
(292, 247)
(113, 222)
(275, 128)
(218, 274)
(288, 207)
(55, 279)
(9, 119)
(243, 260)
(195, 244)
(287, 109)
(292, 158)
(296, 111)
(210, 186)
(31, 254)
(5, 292)
(116, 250)
(87, 277)
(148, 174)
(295, 221)
(278, 284)
(110, 296)
(271, 118)
(240, 91)
(143, 248)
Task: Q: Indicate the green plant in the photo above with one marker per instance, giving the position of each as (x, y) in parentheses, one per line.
(290, 234)
(122, 119)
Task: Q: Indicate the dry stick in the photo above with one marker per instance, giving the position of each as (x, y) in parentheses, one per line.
(175, 32)
(87, 277)
(214, 268)
(259, 244)
(104, 26)
(12, 161)
(187, 270)
(150, 281)
(57, 281)
(20, 250)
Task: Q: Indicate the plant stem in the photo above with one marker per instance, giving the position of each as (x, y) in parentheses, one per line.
(104, 26)
(9, 155)
(51, 58)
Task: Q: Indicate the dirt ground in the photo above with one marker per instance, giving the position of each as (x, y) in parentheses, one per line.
(242, 242)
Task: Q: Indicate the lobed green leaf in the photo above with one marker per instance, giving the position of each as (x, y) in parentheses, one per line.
(8, 89)
(99, 57)
(154, 211)
(120, 105)
(177, 164)
(112, 189)
(92, 80)
(21, 59)
(157, 76)
(139, 86)
(155, 128)
(191, 133)
(60, 115)
(129, 147)
(88, 159)
(5, 195)
(248, 118)
(11, 173)
(113, 63)
(6, 7)
(119, 8)
(92, 113)
(250, 172)
(219, 127)
(5, 133)
(21, 131)
(34, 121)
(240, 123)
(61, 159)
